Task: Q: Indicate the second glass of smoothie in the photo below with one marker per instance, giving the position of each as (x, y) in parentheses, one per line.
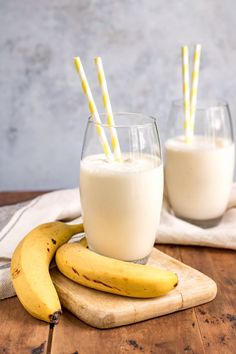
(199, 174)
(121, 201)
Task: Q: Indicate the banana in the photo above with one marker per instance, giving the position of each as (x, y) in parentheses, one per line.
(30, 269)
(85, 267)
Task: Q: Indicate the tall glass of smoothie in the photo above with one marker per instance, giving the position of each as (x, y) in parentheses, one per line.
(199, 173)
(121, 201)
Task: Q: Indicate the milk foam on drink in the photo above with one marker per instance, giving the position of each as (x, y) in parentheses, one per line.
(199, 176)
(121, 204)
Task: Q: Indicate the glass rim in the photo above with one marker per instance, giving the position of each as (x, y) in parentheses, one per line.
(149, 120)
(203, 103)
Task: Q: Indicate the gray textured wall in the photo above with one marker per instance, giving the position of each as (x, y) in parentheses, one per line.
(42, 110)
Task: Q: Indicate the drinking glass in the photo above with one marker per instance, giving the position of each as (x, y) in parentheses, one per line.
(121, 201)
(199, 174)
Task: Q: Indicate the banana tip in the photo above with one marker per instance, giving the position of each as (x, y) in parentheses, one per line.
(54, 318)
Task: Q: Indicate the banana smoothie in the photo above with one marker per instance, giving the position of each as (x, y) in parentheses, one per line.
(199, 176)
(121, 204)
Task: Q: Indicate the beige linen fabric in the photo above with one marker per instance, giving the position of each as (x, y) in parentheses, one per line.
(173, 230)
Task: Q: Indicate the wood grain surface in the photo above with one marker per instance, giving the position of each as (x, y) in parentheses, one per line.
(20, 332)
(209, 328)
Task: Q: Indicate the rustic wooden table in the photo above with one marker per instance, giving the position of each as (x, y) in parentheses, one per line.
(209, 328)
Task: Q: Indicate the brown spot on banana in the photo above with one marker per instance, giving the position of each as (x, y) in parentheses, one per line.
(53, 241)
(95, 281)
(177, 281)
(104, 284)
(75, 271)
(16, 273)
(101, 282)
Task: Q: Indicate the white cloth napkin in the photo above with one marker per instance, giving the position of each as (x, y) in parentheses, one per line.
(59, 205)
(176, 231)
(17, 220)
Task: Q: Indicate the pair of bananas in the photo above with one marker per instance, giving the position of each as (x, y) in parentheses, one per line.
(35, 289)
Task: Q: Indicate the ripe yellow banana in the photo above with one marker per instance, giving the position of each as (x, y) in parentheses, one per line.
(30, 269)
(85, 267)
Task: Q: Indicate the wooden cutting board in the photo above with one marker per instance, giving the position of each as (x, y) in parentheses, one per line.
(103, 310)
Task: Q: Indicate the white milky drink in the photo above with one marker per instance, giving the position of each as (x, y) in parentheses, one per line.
(121, 204)
(199, 176)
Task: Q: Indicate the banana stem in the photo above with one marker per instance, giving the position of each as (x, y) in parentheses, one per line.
(77, 228)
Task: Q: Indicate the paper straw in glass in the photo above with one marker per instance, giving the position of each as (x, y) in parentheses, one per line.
(186, 93)
(107, 104)
(195, 79)
(93, 110)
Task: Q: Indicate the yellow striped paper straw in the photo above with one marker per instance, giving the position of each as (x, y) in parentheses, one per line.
(186, 93)
(194, 89)
(93, 110)
(107, 104)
